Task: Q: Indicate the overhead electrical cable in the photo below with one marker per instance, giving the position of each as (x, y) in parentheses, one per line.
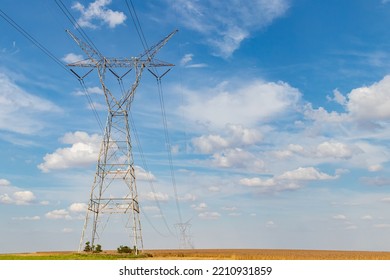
(76, 25)
(28, 36)
(33, 40)
(141, 35)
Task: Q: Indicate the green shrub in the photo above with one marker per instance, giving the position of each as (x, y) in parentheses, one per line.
(124, 250)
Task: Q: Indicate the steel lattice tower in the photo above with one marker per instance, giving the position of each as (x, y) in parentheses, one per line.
(184, 237)
(114, 188)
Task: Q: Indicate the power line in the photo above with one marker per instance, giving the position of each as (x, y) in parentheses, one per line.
(75, 24)
(33, 40)
(141, 35)
(28, 36)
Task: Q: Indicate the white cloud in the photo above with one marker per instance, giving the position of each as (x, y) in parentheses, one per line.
(334, 149)
(5, 199)
(67, 230)
(209, 215)
(321, 115)
(27, 218)
(339, 217)
(258, 182)
(153, 196)
(20, 111)
(23, 197)
(289, 180)
(91, 90)
(306, 174)
(338, 97)
(375, 168)
(78, 207)
(382, 226)
(200, 207)
(58, 215)
(151, 208)
(187, 58)
(143, 175)
(371, 103)
(71, 58)
(366, 217)
(233, 208)
(97, 11)
(4, 182)
(226, 24)
(237, 158)
(18, 198)
(188, 197)
(236, 136)
(241, 136)
(234, 214)
(214, 189)
(84, 151)
(208, 144)
(291, 150)
(270, 224)
(246, 105)
(364, 105)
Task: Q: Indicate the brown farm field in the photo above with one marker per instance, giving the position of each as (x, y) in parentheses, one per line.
(208, 254)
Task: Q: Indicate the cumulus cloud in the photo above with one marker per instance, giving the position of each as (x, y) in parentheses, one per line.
(23, 197)
(71, 57)
(78, 207)
(187, 59)
(155, 196)
(209, 215)
(91, 90)
(370, 103)
(143, 175)
(339, 217)
(208, 143)
(13, 100)
(337, 97)
(98, 11)
(306, 174)
(236, 136)
(334, 149)
(13, 195)
(292, 149)
(84, 151)
(366, 217)
(367, 104)
(58, 215)
(188, 197)
(226, 24)
(4, 182)
(289, 180)
(246, 105)
(237, 158)
(200, 207)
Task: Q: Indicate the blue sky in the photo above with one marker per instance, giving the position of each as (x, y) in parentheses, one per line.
(278, 114)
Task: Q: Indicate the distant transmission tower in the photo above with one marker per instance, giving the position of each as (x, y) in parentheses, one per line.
(184, 235)
(114, 188)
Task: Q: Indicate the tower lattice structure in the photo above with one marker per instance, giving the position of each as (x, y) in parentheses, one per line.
(114, 189)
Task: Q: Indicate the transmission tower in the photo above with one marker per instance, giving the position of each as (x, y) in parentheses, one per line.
(114, 188)
(184, 236)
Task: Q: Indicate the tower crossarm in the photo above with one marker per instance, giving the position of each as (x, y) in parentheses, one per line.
(93, 55)
(149, 54)
(121, 63)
